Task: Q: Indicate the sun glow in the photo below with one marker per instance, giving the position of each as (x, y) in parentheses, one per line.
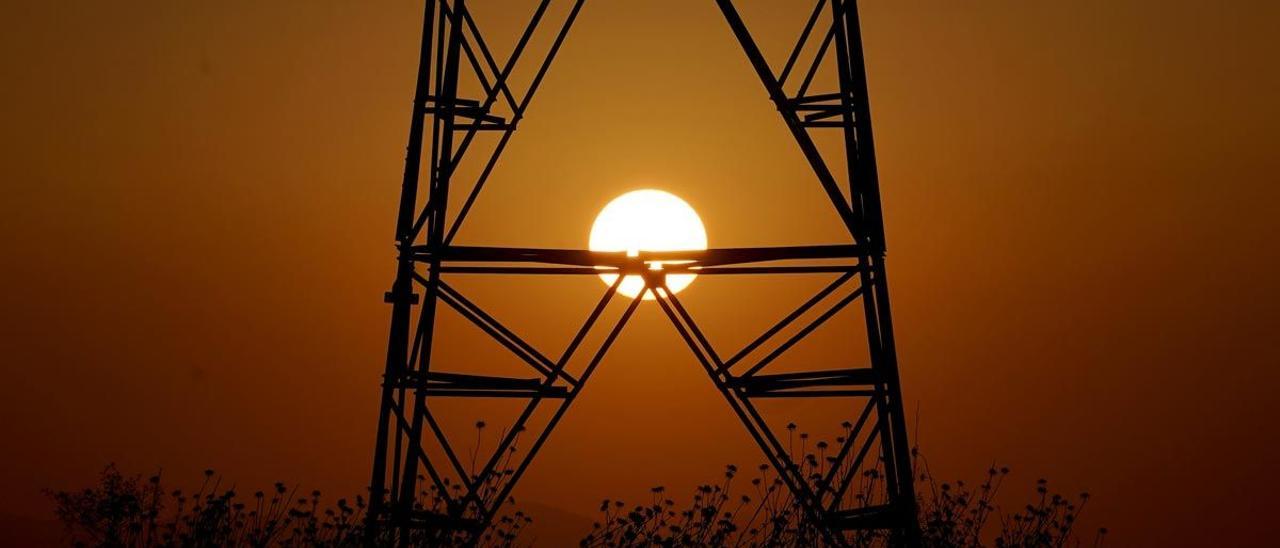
(647, 220)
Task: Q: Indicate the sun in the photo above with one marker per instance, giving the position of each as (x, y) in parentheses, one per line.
(647, 220)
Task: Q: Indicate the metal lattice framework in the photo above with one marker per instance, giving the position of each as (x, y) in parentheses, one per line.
(452, 44)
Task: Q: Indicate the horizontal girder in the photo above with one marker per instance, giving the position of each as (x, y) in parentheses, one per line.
(883, 516)
(807, 384)
(640, 261)
(466, 385)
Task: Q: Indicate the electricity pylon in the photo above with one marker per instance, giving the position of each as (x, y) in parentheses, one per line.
(453, 48)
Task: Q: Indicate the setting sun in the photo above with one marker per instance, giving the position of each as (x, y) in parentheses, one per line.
(647, 220)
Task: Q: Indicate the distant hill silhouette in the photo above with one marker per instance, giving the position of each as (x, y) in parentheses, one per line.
(554, 526)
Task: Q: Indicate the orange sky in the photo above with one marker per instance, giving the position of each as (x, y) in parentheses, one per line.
(1080, 200)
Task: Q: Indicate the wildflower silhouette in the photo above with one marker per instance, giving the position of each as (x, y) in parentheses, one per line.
(765, 515)
(126, 511)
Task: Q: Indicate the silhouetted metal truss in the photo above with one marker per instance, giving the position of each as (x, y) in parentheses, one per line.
(452, 42)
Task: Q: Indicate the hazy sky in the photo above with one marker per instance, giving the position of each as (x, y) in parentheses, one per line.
(1081, 199)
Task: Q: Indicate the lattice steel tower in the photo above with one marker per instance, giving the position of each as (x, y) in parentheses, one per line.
(410, 444)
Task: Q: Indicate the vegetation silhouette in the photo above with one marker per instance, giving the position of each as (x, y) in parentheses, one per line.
(766, 514)
(128, 511)
(952, 515)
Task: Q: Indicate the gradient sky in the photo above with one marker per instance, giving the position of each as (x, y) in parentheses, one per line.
(1081, 200)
